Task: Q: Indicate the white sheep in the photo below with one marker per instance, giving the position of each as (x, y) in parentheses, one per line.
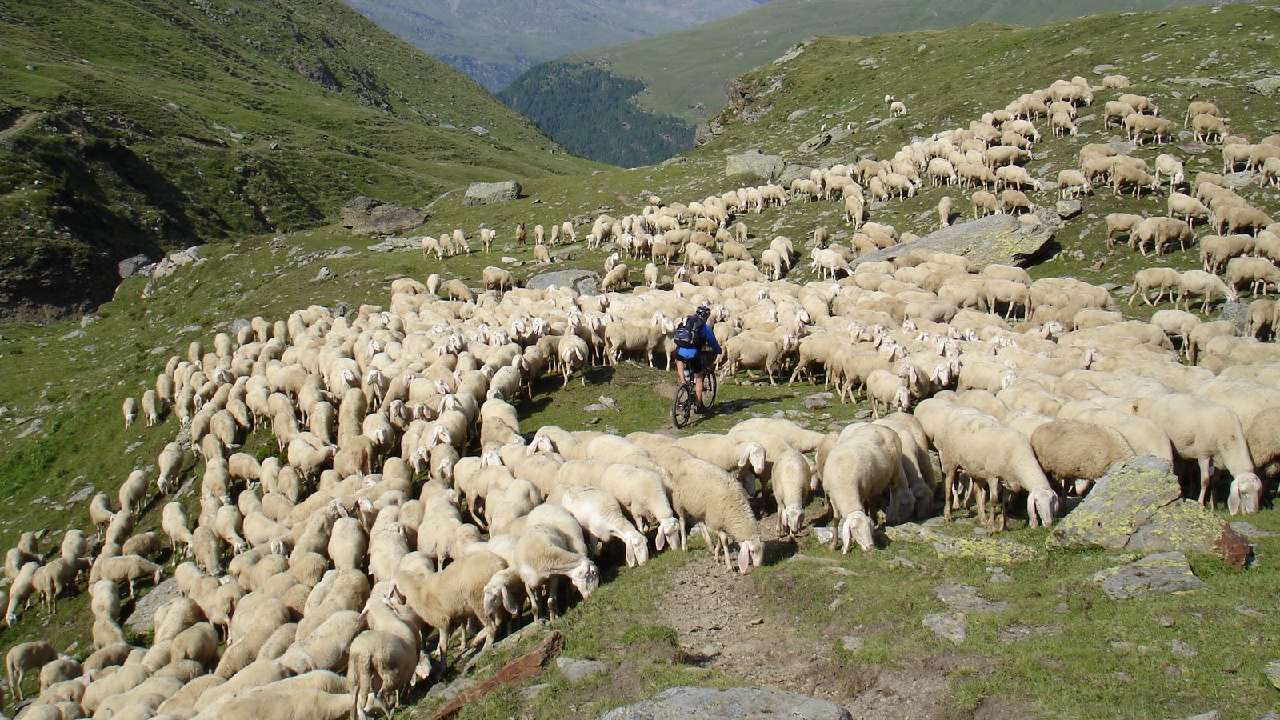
(791, 480)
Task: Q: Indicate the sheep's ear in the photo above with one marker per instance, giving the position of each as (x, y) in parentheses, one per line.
(660, 540)
(1033, 517)
(1233, 500)
(744, 559)
(846, 535)
(631, 556)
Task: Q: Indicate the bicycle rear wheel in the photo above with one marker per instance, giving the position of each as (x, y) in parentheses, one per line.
(682, 406)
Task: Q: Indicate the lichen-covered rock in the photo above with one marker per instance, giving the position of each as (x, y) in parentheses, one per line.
(695, 703)
(367, 216)
(485, 193)
(583, 281)
(1138, 506)
(1004, 239)
(754, 164)
(1160, 574)
(990, 550)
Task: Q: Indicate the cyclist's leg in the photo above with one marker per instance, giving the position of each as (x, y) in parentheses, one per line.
(695, 364)
(679, 371)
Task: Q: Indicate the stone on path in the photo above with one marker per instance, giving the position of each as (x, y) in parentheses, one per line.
(1159, 574)
(695, 703)
(948, 626)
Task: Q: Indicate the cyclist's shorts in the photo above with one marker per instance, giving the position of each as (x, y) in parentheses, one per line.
(693, 364)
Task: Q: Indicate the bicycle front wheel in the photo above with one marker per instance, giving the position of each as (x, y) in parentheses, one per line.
(682, 406)
(709, 386)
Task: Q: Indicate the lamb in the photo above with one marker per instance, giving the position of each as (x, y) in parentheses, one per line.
(889, 390)
(130, 410)
(20, 591)
(1207, 432)
(23, 657)
(946, 209)
(791, 480)
(1077, 452)
(1072, 183)
(858, 473)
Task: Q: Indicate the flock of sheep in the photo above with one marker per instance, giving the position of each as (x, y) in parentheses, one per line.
(404, 499)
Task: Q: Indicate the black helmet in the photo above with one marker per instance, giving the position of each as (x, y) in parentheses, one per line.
(704, 312)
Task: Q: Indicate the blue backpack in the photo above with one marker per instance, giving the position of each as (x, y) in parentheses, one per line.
(689, 333)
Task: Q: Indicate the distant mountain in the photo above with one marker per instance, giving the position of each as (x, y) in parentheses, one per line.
(141, 126)
(494, 41)
(681, 78)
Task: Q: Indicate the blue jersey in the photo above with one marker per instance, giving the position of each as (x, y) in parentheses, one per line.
(709, 342)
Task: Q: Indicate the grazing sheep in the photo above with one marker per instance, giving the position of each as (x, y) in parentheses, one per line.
(1076, 453)
(791, 479)
(857, 476)
(1159, 279)
(23, 657)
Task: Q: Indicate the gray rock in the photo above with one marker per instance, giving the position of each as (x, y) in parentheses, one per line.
(1003, 239)
(445, 693)
(813, 403)
(367, 216)
(1182, 649)
(1068, 209)
(486, 193)
(1211, 715)
(1017, 632)
(131, 266)
(144, 611)
(392, 244)
(753, 163)
(1138, 506)
(1103, 69)
(1272, 671)
(1160, 574)
(1266, 86)
(81, 495)
(594, 408)
(1248, 530)
(585, 282)
(1236, 313)
(533, 691)
(852, 643)
(480, 130)
(575, 670)
(797, 114)
(695, 703)
(235, 326)
(948, 626)
(965, 597)
(793, 173)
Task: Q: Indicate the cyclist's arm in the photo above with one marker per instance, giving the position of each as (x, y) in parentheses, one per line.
(710, 337)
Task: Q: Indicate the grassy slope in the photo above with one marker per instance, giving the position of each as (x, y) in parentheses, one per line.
(494, 41)
(74, 384)
(167, 123)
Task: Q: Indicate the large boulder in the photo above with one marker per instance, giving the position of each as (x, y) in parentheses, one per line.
(487, 193)
(585, 282)
(142, 620)
(367, 216)
(131, 266)
(1004, 239)
(1266, 86)
(754, 164)
(792, 173)
(1138, 506)
(695, 703)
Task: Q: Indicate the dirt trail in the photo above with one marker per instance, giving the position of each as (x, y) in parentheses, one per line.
(723, 623)
(22, 122)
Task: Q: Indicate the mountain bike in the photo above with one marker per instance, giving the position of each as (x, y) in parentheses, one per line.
(682, 406)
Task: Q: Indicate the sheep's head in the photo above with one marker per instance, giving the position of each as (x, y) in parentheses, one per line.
(750, 555)
(791, 518)
(1042, 507)
(1246, 494)
(585, 576)
(856, 527)
(668, 533)
(752, 453)
(637, 548)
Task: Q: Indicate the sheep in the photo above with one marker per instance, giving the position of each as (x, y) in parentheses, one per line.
(1159, 232)
(1185, 205)
(946, 209)
(1072, 183)
(1160, 279)
(130, 410)
(897, 108)
(20, 591)
(449, 597)
(132, 493)
(701, 491)
(1205, 285)
(864, 465)
(600, 515)
(23, 657)
(791, 479)
(1207, 432)
(1078, 452)
(169, 463)
(126, 568)
(1258, 272)
(1120, 224)
(1231, 219)
(888, 390)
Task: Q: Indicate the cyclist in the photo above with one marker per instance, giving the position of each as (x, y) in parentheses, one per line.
(692, 337)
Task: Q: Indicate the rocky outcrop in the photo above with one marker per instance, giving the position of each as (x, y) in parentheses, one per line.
(142, 620)
(367, 216)
(583, 281)
(1138, 506)
(985, 549)
(695, 703)
(754, 164)
(488, 193)
(1004, 239)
